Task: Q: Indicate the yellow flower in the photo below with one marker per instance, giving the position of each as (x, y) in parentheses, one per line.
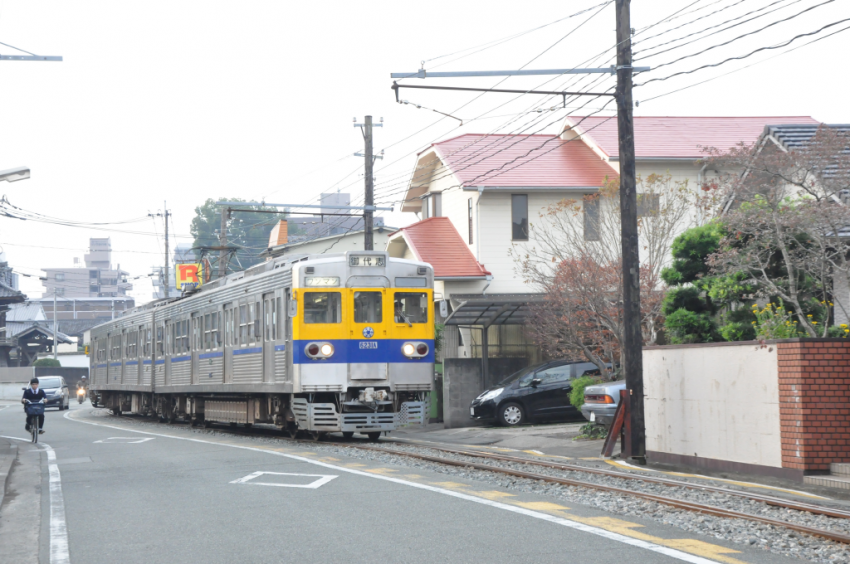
(809, 315)
(843, 326)
(814, 322)
(754, 322)
(847, 330)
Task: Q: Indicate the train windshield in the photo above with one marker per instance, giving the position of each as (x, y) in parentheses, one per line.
(322, 307)
(411, 307)
(367, 307)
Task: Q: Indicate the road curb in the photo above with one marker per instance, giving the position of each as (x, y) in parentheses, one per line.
(8, 454)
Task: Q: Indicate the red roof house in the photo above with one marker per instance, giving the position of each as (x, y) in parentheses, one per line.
(677, 137)
(436, 241)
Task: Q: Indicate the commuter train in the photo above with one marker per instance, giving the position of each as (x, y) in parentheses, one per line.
(312, 344)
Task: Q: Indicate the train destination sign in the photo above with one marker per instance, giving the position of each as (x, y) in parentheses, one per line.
(357, 260)
(322, 281)
(189, 276)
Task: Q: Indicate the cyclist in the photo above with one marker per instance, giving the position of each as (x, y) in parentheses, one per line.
(34, 394)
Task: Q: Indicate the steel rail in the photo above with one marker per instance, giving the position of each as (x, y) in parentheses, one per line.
(769, 500)
(677, 503)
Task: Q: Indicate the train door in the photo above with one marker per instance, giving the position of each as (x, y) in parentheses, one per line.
(197, 334)
(286, 315)
(269, 336)
(125, 370)
(229, 336)
(169, 350)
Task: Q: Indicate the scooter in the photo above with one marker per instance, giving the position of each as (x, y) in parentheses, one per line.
(81, 395)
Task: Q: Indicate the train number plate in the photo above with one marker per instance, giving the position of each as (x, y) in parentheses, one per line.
(368, 344)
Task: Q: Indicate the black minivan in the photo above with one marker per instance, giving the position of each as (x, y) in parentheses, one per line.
(535, 393)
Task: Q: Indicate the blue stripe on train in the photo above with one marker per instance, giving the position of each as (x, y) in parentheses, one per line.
(210, 355)
(131, 363)
(252, 350)
(363, 350)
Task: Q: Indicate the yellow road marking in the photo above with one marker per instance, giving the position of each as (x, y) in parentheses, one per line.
(494, 495)
(355, 465)
(330, 459)
(413, 476)
(382, 471)
(451, 485)
(541, 506)
(303, 453)
(691, 546)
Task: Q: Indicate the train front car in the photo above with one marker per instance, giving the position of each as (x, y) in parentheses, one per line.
(363, 343)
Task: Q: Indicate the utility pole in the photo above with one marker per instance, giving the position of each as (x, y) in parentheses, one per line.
(222, 238)
(166, 214)
(55, 332)
(369, 200)
(632, 353)
(167, 280)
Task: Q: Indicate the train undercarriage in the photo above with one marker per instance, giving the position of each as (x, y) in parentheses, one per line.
(369, 411)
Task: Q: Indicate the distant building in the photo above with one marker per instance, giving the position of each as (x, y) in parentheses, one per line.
(87, 295)
(9, 297)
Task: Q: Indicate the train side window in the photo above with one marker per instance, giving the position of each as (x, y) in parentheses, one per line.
(274, 319)
(207, 331)
(322, 307)
(258, 316)
(243, 324)
(159, 351)
(411, 307)
(368, 307)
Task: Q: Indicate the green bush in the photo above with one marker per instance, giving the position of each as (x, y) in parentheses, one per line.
(683, 297)
(683, 326)
(48, 362)
(579, 384)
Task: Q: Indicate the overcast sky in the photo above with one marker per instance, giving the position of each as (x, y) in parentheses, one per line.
(182, 101)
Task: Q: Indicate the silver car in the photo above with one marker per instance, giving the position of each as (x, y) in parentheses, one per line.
(601, 401)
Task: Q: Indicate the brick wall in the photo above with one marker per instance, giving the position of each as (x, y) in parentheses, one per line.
(814, 403)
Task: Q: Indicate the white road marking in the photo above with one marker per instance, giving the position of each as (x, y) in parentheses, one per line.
(671, 552)
(58, 528)
(123, 440)
(322, 480)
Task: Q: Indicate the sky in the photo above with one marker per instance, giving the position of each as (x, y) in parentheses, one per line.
(171, 103)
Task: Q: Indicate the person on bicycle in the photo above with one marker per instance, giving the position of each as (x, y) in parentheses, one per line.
(34, 394)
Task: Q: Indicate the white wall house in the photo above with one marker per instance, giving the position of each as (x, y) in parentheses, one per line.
(490, 187)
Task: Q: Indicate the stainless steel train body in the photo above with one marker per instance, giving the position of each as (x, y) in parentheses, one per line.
(318, 343)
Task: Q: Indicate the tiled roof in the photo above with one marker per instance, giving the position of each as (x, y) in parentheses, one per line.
(9, 295)
(523, 161)
(436, 241)
(28, 311)
(680, 137)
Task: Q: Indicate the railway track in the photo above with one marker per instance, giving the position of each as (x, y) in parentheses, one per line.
(572, 468)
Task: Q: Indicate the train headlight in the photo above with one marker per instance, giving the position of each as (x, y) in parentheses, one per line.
(414, 350)
(319, 351)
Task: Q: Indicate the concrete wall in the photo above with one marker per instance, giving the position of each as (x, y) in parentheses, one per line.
(462, 384)
(717, 401)
(16, 374)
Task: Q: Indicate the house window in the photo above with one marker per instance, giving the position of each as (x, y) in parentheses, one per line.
(519, 217)
(591, 218)
(469, 218)
(647, 204)
(59, 291)
(60, 276)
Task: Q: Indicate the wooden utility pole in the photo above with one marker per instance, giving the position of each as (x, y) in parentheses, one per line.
(368, 241)
(167, 284)
(632, 352)
(222, 241)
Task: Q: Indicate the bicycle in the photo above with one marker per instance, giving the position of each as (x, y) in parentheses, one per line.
(34, 410)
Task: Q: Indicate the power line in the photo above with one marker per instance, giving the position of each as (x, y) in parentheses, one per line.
(768, 48)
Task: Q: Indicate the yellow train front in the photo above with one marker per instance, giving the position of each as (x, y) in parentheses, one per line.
(362, 343)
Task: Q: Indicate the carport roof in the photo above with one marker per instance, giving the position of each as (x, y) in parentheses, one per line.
(495, 309)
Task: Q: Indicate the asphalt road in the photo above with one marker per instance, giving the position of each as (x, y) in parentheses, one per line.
(132, 491)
